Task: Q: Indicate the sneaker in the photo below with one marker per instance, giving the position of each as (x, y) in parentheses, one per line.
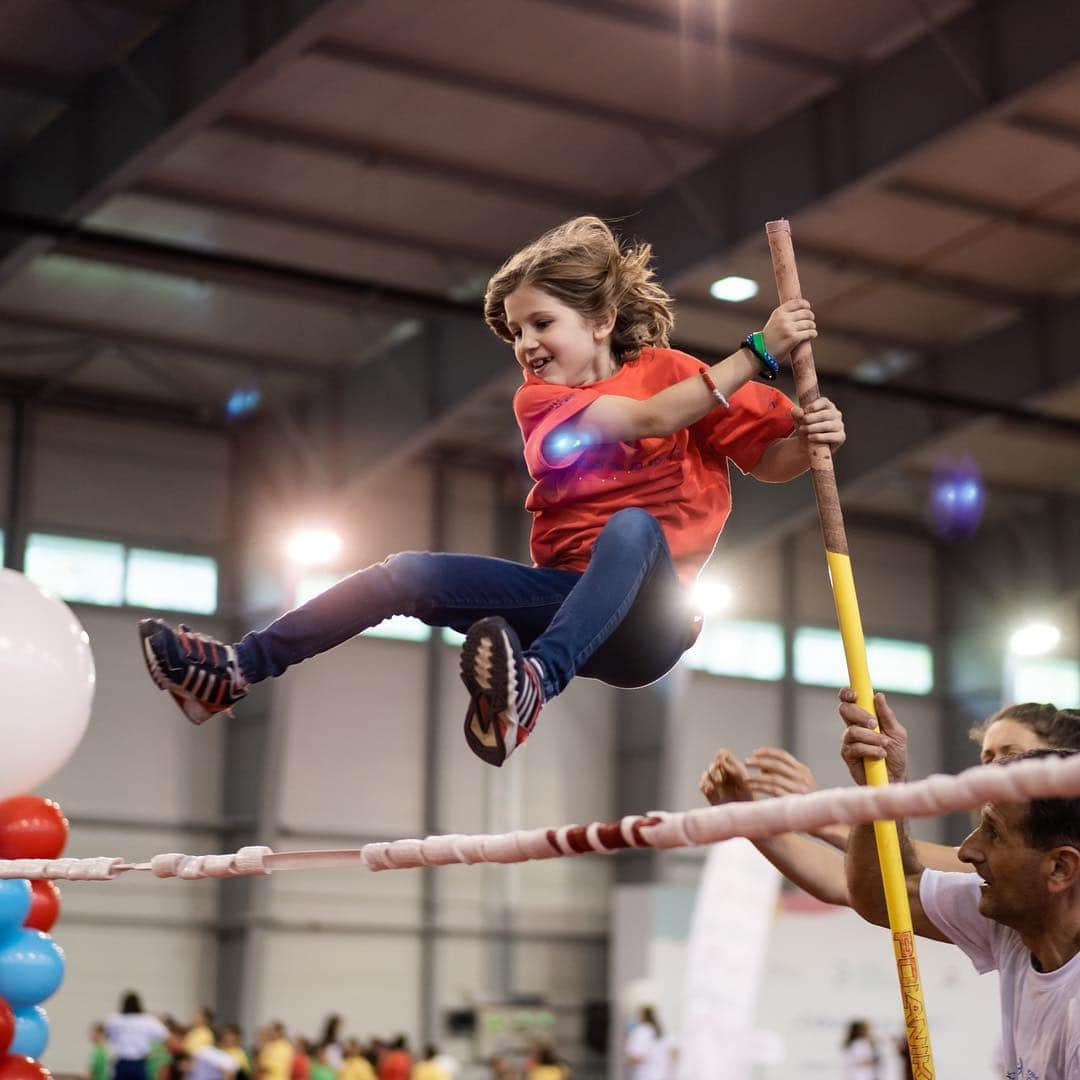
(504, 687)
(200, 673)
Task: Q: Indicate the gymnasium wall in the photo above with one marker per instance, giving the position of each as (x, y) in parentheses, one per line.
(142, 780)
(353, 732)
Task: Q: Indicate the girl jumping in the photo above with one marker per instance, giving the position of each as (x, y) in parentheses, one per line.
(628, 443)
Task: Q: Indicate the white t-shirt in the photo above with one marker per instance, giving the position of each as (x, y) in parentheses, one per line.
(132, 1034)
(860, 1060)
(210, 1063)
(1040, 1011)
(653, 1050)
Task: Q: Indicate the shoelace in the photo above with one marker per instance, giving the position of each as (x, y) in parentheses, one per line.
(209, 649)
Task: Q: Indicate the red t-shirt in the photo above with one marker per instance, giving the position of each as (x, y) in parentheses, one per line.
(681, 479)
(395, 1065)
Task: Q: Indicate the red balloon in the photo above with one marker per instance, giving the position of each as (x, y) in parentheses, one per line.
(44, 905)
(7, 1026)
(31, 828)
(17, 1067)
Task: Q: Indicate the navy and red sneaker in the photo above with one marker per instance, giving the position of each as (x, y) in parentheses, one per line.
(504, 688)
(199, 672)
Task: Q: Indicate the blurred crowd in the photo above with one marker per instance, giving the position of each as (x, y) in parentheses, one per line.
(133, 1044)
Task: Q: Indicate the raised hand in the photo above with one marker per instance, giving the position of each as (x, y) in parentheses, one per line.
(788, 325)
(862, 742)
(726, 780)
(776, 772)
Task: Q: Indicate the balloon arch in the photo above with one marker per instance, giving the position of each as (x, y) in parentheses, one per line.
(47, 671)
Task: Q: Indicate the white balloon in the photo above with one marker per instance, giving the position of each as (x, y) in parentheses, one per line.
(46, 684)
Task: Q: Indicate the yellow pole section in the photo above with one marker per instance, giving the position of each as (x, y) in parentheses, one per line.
(888, 840)
(847, 613)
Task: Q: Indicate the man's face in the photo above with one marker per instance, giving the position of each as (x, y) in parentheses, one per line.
(1014, 890)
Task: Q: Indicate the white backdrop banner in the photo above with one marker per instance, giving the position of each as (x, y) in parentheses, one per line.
(726, 958)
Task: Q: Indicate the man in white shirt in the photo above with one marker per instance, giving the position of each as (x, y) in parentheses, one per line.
(1019, 916)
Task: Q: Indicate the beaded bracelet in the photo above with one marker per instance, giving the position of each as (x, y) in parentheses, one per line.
(715, 390)
(755, 342)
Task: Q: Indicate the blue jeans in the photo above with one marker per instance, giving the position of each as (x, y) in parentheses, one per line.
(129, 1069)
(626, 620)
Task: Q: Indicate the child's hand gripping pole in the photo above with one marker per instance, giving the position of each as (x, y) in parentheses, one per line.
(847, 613)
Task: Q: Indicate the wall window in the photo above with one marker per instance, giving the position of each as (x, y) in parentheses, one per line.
(743, 648)
(171, 581)
(905, 667)
(1043, 678)
(310, 585)
(400, 628)
(87, 571)
(109, 573)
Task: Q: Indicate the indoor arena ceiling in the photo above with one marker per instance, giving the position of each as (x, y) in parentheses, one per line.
(299, 194)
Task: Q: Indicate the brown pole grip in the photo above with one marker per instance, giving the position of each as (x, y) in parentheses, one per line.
(806, 387)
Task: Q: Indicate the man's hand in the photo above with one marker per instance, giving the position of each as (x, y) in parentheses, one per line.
(788, 325)
(861, 741)
(776, 772)
(726, 780)
(820, 423)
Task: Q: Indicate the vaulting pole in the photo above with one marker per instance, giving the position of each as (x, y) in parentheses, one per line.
(847, 613)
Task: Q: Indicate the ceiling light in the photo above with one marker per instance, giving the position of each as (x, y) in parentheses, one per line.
(1034, 639)
(314, 547)
(733, 289)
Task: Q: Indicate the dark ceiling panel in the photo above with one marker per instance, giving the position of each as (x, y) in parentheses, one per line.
(128, 117)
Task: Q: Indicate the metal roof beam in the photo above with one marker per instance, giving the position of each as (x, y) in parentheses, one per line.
(347, 52)
(125, 120)
(315, 221)
(865, 125)
(922, 277)
(250, 361)
(374, 156)
(262, 275)
(958, 200)
(35, 82)
(238, 271)
(1041, 125)
(95, 402)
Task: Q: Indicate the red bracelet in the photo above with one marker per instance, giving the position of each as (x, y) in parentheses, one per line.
(720, 399)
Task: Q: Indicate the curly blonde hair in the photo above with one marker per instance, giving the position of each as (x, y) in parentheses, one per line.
(583, 264)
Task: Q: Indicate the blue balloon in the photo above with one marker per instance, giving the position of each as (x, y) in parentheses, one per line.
(14, 905)
(31, 968)
(31, 1032)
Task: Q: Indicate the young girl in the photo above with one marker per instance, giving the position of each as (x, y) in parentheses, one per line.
(628, 443)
